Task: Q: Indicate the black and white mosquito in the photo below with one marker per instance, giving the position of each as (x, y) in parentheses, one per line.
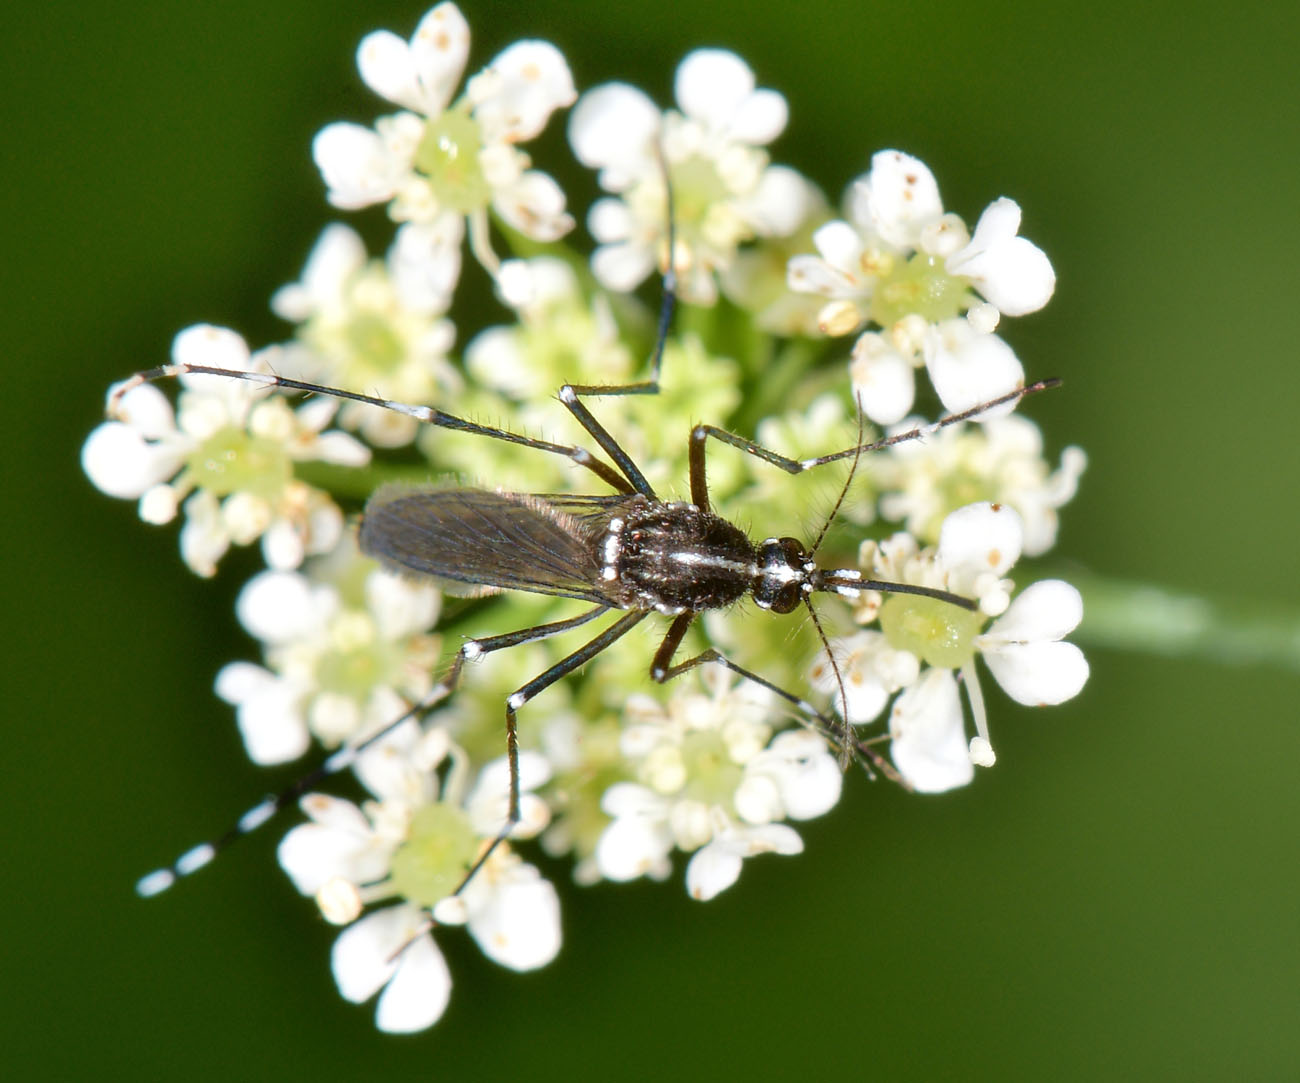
(626, 551)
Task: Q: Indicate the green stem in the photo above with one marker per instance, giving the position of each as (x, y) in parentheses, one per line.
(1145, 617)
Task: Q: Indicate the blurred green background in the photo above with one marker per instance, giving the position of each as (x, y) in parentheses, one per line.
(1117, 899)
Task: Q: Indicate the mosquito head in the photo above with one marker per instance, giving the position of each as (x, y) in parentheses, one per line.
(785, 571)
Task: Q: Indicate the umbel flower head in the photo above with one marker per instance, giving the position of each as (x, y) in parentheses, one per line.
(443, 159)
(904, 265)
(411, 678)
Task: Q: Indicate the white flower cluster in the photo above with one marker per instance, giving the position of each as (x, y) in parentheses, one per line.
(912, 270)
(614, 773)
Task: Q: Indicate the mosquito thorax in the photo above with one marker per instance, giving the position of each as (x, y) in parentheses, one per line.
(676, 557)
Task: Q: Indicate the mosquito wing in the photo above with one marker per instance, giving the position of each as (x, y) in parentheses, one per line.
(487, 540)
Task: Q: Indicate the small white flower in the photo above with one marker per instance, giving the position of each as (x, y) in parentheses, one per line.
(353, 854)
(336, 669)
(901, 258)
(442, 160)
(711, 786)
(724, 191)
(1000, 460)
(228, 453)
(372, 327)
(978, 544)
(559, 338)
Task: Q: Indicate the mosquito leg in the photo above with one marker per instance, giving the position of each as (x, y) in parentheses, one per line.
(526, 692)
(571, 394)
(701, 433)
(426, 414)
(662, 670)
(198, 856)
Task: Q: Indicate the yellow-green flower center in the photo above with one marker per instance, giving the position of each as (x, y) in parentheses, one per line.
(232, 460)
(373, 342)
(918, 285)
(937, 632)
(712, 776)
(696, 188)
(356, 673)
(436, 855)
(448, 157)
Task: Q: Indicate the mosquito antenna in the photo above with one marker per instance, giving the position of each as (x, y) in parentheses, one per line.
(853, 469)
(846, 732)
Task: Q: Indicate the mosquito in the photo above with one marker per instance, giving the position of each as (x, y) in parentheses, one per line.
(627, 551)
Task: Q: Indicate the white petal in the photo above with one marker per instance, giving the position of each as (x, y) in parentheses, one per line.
(929, 740)
(516, 94)
(424, 74)
(204, 540)
(810, 780)
(621, 267)
(627, 849)
(757, 799)
(1047, 610)
(146, 409)
(424, 262)
(277, 607)
(283, 546)
(440, 47)
(534, 205)
(715, 867)
(207, 344)
(613, 128)
(159, 505)
(272, 725)
(339, 253)
(761, 118)
(401, 607)
(488, 803)
(355, 164)
(981, 538)
(1011, 272)
(779, 204)
(121, 463)
(1039, 674)
(418, 993)
(335, 814)
(968, 368)
(711, 85)
(311, 856)
(520, 927)
(883, 379)
(712, 870)
(388, 68)
(812, 274)
(610, 221)
(841, 246)
(340, 449)
(360, 956)
(902, 197)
